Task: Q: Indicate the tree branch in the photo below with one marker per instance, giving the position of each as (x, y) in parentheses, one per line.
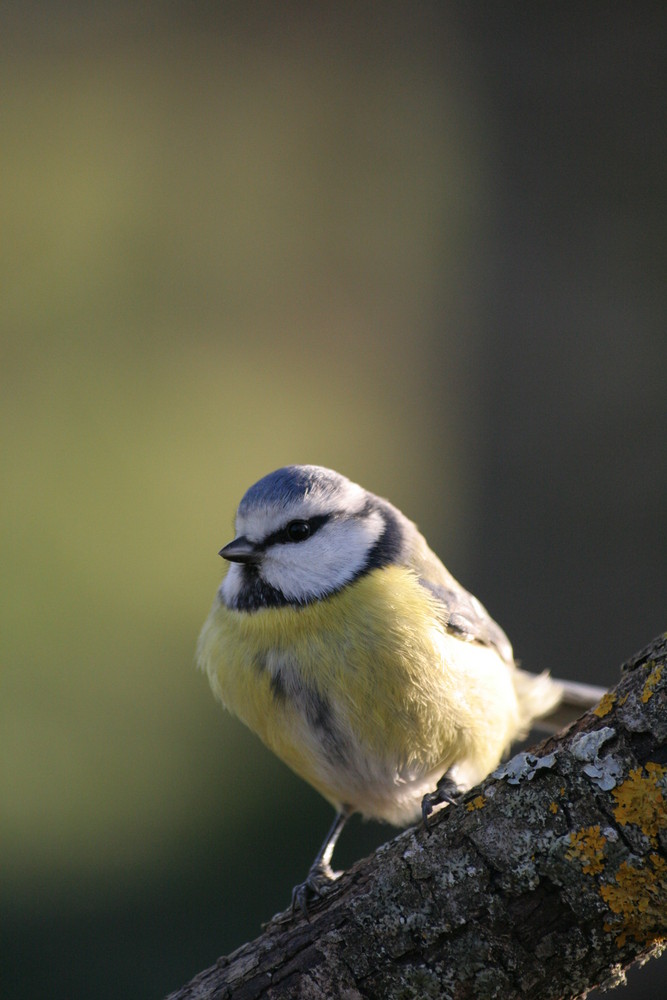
(548, 879)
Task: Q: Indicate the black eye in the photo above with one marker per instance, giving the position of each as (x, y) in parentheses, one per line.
(298, 531)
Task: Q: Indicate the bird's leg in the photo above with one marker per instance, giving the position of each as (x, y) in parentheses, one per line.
(320, 873)
(445, 791)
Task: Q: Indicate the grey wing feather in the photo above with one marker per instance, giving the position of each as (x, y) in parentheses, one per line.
(462, 614)
(465, 617)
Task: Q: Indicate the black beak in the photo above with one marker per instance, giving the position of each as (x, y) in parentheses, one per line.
(241, 550)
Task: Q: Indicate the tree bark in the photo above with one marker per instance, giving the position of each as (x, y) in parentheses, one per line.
(547, 880)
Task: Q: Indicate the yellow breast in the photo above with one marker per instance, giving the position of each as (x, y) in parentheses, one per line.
(363, 694)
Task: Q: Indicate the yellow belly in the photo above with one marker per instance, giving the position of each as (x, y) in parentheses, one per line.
(364, 694)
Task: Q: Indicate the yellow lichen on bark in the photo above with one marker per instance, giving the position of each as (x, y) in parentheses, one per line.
(605, 705)
(587, 847)
(640, 800)
(651, 683)
(637, 897)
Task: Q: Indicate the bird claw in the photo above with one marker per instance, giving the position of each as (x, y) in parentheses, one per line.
(445, 791)
(319, 880)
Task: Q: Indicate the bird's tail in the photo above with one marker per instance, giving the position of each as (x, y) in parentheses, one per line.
(575, 699)
(548, 705)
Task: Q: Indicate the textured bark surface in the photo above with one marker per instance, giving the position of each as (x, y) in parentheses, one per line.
(548, 879)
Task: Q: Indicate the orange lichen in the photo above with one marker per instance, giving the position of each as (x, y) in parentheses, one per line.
(477, 803)
(651, 683)
(587, 847)
(637, 896)
(553, 807)
(640, 800)
(605, 705)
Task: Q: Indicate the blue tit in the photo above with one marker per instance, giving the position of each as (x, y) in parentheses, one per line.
(342, 641)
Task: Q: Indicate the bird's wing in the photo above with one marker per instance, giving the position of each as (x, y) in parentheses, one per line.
(462, 614)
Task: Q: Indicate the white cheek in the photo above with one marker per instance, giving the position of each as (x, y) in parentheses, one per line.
(323, 563)
(232, 584)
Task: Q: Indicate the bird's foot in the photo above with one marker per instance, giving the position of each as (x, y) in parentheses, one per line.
(318, 881)
(446, 791)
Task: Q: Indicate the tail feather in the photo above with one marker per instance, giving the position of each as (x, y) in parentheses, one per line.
(575, 699)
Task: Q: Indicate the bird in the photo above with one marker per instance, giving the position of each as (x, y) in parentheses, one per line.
(341, 640)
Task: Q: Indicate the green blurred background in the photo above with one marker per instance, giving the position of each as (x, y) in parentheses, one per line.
(420, 243)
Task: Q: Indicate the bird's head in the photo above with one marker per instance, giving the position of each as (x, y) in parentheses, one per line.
(303, 532)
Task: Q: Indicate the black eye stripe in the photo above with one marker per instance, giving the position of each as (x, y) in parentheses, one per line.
(283, 536)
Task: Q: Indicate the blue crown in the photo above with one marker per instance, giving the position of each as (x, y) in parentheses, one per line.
(289, 485)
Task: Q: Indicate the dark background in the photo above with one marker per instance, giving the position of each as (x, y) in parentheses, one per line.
(420, 243)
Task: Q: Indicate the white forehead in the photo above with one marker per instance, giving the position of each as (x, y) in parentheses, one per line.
(301, 491)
